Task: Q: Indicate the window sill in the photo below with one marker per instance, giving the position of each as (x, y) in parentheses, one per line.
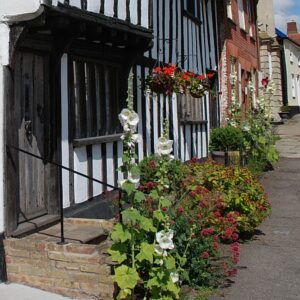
(96, 140)
(231, 21)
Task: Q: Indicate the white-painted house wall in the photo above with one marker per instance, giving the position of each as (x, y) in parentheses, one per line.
(27, 9)
(4, 60)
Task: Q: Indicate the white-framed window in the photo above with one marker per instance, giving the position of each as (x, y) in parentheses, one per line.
(291, 56)
(293, 86)
(270, 66)
(229, 9)
(241, 14)
(250, 17)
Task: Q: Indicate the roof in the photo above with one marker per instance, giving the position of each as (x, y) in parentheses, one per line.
(290, 37)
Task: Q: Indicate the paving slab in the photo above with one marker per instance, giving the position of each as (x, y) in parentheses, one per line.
(14, 291)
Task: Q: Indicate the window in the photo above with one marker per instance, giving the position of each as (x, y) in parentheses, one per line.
(95, 94)
(241, 14)
(270, 66)
(291, 56)
(229, 9)
(250, 17)
(191, 8)
(293, 86)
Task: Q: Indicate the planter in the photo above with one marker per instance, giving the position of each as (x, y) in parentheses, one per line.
(284, 115)
(197, 94)
(234, 158)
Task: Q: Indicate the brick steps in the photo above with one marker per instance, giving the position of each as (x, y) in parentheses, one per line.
(81, 271)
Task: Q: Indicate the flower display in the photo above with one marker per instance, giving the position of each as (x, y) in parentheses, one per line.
(171, 79)
(174, 277)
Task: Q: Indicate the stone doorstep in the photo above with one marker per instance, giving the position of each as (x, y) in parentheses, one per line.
(80, 269)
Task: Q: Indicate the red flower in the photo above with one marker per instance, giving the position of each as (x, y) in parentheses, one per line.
(164, 209)
(216, 245)
(150, 184)
(205, 255)
(228, 232)
(217, 214)
(265, 82)
(192, 74)
(157, 70)
(200, 77)
(210, 75)
(172, 222)
(207, 231)
(193, 194)
(152, 164)
(199, 216)
(235, 236)
(184, 76)
(180, 209)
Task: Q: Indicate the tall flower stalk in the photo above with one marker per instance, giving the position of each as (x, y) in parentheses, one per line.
(142, 244)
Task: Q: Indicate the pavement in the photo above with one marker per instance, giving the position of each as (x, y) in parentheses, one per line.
(14, 291)
(270, 263)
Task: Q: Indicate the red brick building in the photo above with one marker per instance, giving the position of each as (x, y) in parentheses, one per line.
(238, 48)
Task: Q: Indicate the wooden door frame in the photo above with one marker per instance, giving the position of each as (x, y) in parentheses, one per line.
(52, 138)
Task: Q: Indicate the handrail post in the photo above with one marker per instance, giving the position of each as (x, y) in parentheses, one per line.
(62, 231)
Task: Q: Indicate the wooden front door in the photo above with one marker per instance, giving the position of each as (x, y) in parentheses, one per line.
(32, 94)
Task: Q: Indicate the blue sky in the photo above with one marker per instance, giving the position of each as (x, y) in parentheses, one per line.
(286, 10)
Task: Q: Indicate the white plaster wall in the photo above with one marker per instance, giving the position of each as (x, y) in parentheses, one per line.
(4, 60)
(18, 7)
(293, 68)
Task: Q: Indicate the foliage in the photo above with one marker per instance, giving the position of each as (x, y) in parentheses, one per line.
(226, 138)
(242, 192)
(150, 172)
(285, 108)
(170, 78)
(259, 140)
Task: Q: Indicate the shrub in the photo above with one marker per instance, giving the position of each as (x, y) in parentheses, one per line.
(150, 172)
(226, 138)
(241, 190)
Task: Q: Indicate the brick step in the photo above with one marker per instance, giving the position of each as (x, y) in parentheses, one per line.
(81, 268)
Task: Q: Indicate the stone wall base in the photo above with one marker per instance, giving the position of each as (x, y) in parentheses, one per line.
(80, 271)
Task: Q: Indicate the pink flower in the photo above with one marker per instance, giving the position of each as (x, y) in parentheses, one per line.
(265, 82)
(205, 255)
(207, 231)
(180, 209)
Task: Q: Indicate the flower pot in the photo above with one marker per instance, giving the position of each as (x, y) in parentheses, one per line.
(234, 158)
(284, 115)
(158, 88)
(197, 94)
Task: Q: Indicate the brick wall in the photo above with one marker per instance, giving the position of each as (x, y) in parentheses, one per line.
(238, 44)
(76, 270)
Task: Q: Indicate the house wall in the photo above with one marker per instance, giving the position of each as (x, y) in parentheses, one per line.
(178, 39)
(270, 53)
(237, 43)
(110, 8)
(292, 58)
(4, 46)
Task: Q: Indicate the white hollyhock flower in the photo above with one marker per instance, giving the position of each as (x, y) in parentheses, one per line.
(134, 178)
(124, 115)
(174, 277)
(121, 182)
(165, 239)
(160, 251)
(164, 147)
(133, 121)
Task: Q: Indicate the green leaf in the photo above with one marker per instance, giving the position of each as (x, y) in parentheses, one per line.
(124, 294)
(128, 187)
(154, 195)
(165, 202)
(158, 215)
(146, 252)
(139, 196)
(172, 287)
(118, 252)
(147, 224)
(153, 282)
(126, 278)
(119, 233)
(170, 263)
(131, 214)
